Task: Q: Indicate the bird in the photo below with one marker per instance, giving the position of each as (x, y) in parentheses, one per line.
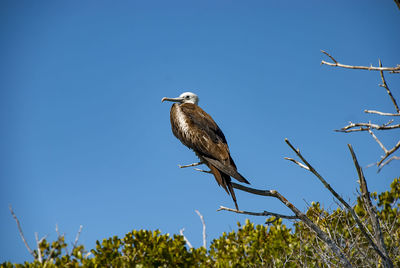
(198, 131)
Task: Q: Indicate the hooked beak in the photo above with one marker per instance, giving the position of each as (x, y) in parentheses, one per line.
(172, 99)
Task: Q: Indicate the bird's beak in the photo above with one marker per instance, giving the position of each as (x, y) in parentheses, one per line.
(172, 99)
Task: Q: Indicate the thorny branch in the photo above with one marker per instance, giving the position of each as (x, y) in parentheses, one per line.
(354, 127)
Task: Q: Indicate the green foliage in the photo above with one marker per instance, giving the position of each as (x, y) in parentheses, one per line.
(251, 245)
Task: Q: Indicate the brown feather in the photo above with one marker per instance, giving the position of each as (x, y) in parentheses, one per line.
(198, 131)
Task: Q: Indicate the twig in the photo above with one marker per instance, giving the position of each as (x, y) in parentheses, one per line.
(191, 165)
(20, 231)
(264, 213)
(204, 228)
(184, 237)
(388, 161)
(297, 162)
(338, 197)
(384, 85)
(369, 68)
(365, 195)
(377, 140)
(77, 238)
(388, 153)
(321, 234)
(205, 171)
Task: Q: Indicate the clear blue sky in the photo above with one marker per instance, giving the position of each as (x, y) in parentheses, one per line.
(86, 140)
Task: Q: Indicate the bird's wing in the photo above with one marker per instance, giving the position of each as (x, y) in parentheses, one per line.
(208, 140)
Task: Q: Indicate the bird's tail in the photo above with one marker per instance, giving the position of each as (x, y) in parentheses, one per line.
(224, 180)
(229, 170)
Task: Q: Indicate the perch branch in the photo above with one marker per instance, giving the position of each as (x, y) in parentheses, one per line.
(204, 228)
(338, 197)
(191, 165)
(388, 153)
(20, 231)
(369, 68)
(365, 195)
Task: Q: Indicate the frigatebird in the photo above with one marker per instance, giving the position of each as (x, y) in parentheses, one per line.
(198, 131)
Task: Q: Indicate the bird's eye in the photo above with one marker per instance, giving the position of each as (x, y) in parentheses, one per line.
(187, 97)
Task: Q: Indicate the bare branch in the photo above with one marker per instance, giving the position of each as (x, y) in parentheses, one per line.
(297, 162)
(384, 85)
(377, 140)
(205, 171)
(388, 153)
(365, 195)
(321, 234)
(184, 237)
(380, 113)
(363, 229)
(77, 238)
(38, 248)
(264, 213)
(388, 161)
(20, 231)
(191, 165)
(369, 68)
(204, 228)
(352, 127)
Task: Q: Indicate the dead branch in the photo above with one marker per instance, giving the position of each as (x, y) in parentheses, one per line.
(204, 228)
(369, 68)
(384, 85)
(388, 153)
(264, 213)
(184, 237)
(353, 127)
(363, 229)
(365, 196)
(20, 231)
(77, 238)
(300, 215)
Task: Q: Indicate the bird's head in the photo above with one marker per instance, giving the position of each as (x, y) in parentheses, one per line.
(186, 97)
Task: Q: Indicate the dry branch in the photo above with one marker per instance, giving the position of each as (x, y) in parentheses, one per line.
(204, 228)
(300, 215)
(264, 213)
(369, 68)
(363, 229)
(365, 196)
(20, 231)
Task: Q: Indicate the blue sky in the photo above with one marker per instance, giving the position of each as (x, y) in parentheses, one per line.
(86, 140)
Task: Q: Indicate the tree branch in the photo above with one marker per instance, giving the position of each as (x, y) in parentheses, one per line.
(338, 197)
(365, 196)
(369, 68)
(384, 85)
(264, 213)
(353, 127)
(300, 215)
(204, 228)
(20, 231)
